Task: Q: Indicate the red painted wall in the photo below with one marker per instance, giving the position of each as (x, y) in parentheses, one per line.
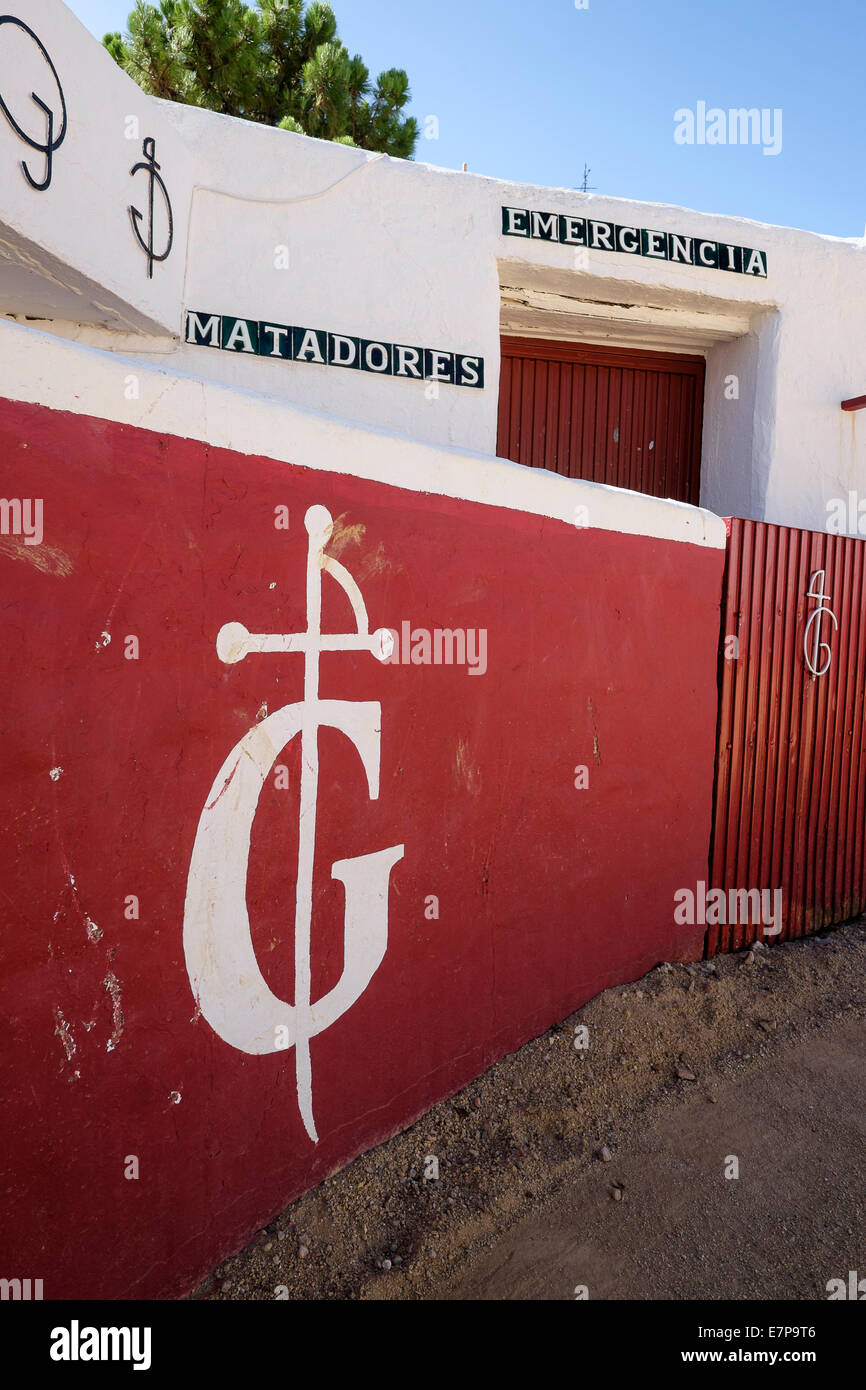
(602, 651)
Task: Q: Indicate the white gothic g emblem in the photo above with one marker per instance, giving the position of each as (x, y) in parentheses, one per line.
(226, 980)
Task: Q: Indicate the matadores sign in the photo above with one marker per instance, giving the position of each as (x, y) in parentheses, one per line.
(323, 794)
(261, 338)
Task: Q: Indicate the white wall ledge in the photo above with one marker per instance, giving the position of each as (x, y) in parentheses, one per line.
(42, 369)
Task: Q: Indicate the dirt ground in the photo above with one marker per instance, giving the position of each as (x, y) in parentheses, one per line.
(604, 1169)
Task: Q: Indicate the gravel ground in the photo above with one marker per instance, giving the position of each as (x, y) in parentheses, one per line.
(540, 1154)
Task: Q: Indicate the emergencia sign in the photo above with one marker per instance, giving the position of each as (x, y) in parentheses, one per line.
(594, 235)
(262, 338)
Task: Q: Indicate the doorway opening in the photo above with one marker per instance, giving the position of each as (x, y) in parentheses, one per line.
(621, 416)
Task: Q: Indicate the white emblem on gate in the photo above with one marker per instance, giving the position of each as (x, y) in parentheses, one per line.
(226, 980)
(821, 651)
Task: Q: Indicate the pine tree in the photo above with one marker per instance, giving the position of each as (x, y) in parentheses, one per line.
(278, 62)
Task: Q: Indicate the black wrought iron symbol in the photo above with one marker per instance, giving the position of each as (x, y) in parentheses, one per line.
(151, 167)
(53, 138)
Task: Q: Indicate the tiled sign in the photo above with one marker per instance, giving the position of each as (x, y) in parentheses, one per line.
(262, 338)
(594, 235)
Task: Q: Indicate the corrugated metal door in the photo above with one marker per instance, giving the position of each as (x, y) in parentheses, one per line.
(628, 418)
(790, 806)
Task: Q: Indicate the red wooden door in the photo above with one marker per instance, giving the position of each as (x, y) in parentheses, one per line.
(612, 415)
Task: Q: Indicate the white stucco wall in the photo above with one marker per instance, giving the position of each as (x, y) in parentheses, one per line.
(47, 371)
(276, 226)
(74, 240)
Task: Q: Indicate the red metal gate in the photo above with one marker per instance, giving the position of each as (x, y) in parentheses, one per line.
(612, 415)
(790, 800)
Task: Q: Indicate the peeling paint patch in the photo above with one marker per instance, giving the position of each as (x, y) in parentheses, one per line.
(69, 898)
(55, 773)
(467, 773)
(64, 1033)
(175, 1097)
(103, 640)
(94, 933)
(112, 985)
(262, 714)
(48, 559)
(343, 535)
(224, 787)
(596, 752)
(377, 562)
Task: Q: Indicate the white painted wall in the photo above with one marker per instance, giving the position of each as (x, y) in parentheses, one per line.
(49, 371)
(405, 252)
(735, 454)
(74, 241)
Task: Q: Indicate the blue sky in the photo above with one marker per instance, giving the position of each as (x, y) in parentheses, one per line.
(534, 91)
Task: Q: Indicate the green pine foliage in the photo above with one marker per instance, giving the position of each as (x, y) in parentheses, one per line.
(279, 62)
